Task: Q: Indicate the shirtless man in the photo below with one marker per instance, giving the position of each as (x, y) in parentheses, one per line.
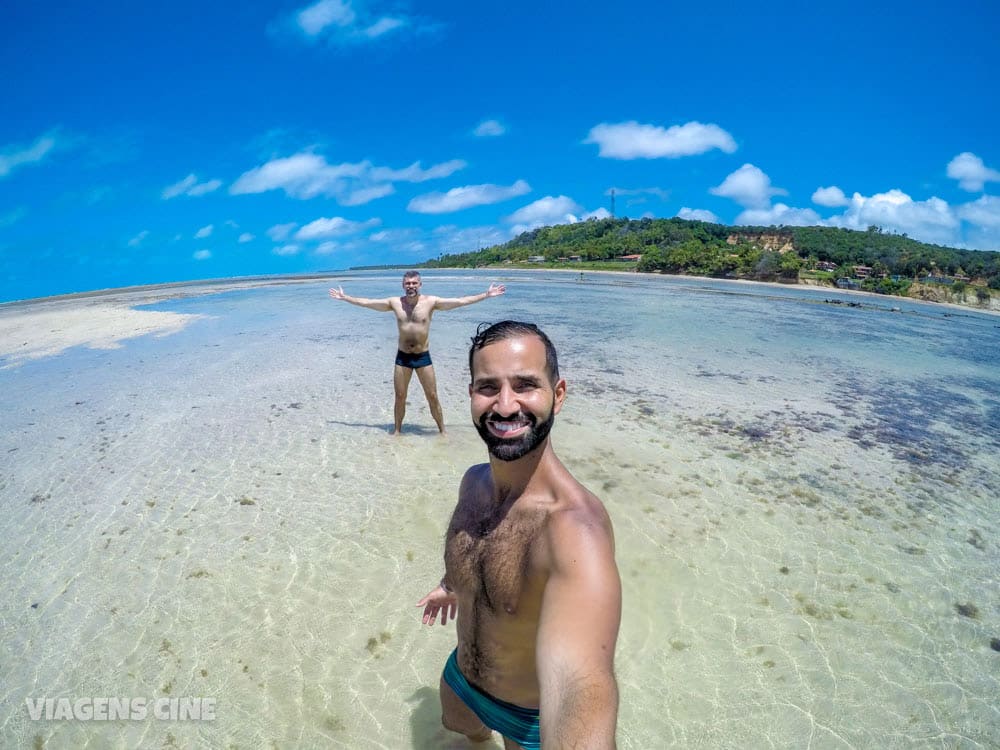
(413, 317)
(529, 568)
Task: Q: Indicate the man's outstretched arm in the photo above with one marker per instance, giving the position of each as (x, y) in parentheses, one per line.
(577, 632)
(380, 305)
(442, 303)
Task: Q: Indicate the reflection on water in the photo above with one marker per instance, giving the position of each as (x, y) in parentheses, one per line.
(803, 496)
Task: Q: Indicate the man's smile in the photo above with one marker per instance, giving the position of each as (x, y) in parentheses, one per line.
(508, 427)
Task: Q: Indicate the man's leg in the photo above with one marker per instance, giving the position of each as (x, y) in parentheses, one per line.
(401, 384)
(429, 381)
(458, 717)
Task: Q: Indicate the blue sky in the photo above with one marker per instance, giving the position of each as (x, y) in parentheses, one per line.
(155, 142)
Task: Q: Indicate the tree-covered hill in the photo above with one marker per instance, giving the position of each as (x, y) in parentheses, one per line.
(680, 246)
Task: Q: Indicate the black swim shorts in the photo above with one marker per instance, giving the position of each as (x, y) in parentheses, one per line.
(414, 361)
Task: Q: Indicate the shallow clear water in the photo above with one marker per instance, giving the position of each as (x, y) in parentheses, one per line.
(804, 496)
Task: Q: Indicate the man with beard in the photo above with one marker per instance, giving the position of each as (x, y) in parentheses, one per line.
(413, 318)
(530, 574)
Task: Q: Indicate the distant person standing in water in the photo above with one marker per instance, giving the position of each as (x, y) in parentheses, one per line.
(413, 317)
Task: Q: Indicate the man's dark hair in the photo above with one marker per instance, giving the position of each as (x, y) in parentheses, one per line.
(488, 334)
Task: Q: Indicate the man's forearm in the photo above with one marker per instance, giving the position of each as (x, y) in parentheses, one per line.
(584, 717)
(451, 304)
(369, 304)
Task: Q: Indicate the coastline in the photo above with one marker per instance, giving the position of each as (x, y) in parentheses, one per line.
(104, 319)
(931, 304)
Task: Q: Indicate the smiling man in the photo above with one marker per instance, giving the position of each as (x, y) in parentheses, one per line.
(530, 574)
(413, 313)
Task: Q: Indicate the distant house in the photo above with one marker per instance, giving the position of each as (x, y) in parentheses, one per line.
(575, 258)
(825, 265)
(846, 283)
(630, 257)
(862, 272)
(536, 258)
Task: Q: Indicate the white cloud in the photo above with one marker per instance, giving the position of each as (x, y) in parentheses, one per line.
(984, 212)
(749, 187)
(632, 140)
(13, 157)
(830, 197)
(308, 175)
(281, 232)
(245, 237)
(190, 186)
(489, 128)
(970, 171)
(202, 254)
(698, 214)
(778, 214)
(327, 248)
(416, 173)
(468, 196)
(204, 232)
(286, 250)
(658, 192)
(137, 240)
(304, 175)
(333, 227)
(544, 212)
(383, 26)
(340, 21)
(547, 210)
(601, 213)
(367, 195)
(984, 217)
(453, 239)
(319, 16)
(932, 220)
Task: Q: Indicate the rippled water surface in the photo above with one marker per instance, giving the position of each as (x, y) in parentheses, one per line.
(804, 494)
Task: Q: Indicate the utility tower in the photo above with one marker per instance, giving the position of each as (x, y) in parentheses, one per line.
(612, 203)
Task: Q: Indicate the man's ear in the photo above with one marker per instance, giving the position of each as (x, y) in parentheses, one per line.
(559, 395)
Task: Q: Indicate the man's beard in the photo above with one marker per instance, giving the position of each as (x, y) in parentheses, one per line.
(510, 450)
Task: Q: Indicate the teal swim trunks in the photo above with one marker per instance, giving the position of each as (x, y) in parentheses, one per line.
(517, 723)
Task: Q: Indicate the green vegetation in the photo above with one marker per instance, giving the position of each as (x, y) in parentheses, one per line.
(678, 246)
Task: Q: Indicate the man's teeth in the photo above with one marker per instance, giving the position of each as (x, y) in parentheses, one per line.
(508, 426)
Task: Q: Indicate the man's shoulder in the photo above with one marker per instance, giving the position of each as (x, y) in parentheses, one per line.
(477, 473)
(577, 514)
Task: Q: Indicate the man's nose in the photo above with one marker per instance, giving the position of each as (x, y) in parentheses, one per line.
(507, 403)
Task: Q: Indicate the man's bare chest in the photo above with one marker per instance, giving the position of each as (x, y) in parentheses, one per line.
(492, 558)
(417, 314)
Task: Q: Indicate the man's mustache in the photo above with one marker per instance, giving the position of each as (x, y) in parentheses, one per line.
(517, 417)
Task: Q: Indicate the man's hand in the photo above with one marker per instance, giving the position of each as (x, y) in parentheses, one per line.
(495, 290)
(437, 601)
(338, 293)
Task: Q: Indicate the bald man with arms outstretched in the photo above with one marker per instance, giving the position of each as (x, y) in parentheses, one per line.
(530, 572)
(413, 317)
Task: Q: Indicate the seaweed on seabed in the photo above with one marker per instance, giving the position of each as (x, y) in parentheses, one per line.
(967, 610)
